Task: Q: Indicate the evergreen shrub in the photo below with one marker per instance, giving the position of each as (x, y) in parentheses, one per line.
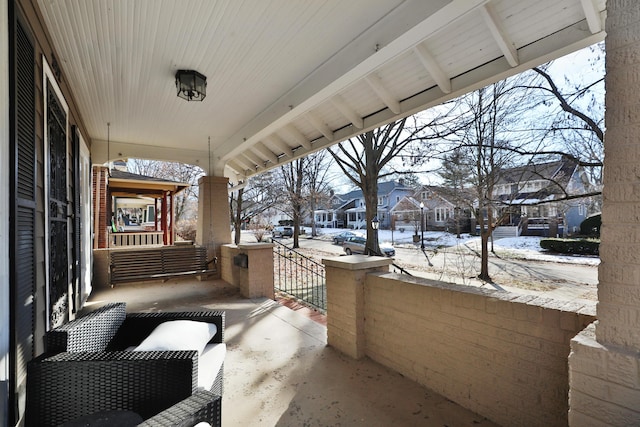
(572, 246)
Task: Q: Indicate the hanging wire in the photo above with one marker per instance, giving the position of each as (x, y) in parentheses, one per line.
(109, 146)
(210, 244)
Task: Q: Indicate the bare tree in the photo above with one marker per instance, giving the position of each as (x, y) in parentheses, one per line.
(293, 177)
(253, 200)
(486, 146)
(186, 200)
(456, 174)
(235, 210)
(526, 119)
(569, 113)
(316, 173)
(363, 158)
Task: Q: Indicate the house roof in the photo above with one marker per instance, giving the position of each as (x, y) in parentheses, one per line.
(448, 195)
(559, 172)
(286, 78)
(384, 189)
(127, 184)
(557, 176)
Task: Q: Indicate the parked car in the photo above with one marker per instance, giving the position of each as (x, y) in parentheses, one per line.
(339, 238)
(356, 245)
(282, 231)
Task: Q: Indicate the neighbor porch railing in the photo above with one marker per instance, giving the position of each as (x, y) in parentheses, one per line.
(299, 276)
(132, 238)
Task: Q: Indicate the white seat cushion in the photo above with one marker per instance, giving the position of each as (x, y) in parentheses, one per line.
(179, 335)
(209, 364)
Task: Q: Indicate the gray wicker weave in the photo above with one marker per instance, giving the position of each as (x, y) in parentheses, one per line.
(92, 332)
(202, 406)
(66, 385)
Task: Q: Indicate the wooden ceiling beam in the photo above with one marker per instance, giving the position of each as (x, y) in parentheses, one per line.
(494, 24)
(262, 150)
(383, 93)
(429, 62)
(244, 163)
(592, 15)
(321, 126)
(275, 141)
(259, 161)
(347, 111)
(297, 136)
(240, 171)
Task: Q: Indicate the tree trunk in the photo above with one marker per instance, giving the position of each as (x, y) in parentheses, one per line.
(238, 218)
(484, 263)
(371, 206)
(312, 207)
(485, 233)
(297, 204)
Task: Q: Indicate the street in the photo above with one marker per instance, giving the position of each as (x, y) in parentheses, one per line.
(461, 265)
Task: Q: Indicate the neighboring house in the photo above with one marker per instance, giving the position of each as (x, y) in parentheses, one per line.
(348, 210)
(532, 197)
(440, 209)
(140, 205)
(332, 213)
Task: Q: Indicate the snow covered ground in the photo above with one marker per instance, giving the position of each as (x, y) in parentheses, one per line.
(524, 247)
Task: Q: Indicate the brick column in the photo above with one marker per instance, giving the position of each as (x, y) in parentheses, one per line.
(604, 364)
(345, 278)
(214, 225)
(253, 275)
(101, 219)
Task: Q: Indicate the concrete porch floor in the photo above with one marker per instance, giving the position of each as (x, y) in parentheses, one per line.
(279, 370)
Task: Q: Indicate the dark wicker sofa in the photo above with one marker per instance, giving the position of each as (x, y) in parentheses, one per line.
(87, 369)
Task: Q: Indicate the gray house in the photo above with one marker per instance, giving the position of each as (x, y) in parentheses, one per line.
(348, 210)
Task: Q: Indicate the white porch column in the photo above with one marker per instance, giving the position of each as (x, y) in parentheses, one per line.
(604, 363)
(214, 224)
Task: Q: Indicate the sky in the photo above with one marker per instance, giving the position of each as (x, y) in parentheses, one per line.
(570, 69)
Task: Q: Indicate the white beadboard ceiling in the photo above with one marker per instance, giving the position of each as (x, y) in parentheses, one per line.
(288, 77)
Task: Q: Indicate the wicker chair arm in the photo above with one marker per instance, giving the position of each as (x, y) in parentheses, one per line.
(202, 406)
(92, 332)
(138, 326)
(66, 386)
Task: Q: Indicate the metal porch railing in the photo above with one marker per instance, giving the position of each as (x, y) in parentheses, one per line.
(299, 276)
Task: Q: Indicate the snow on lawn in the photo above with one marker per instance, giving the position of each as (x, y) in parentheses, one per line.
(528, 247)
(524, 247)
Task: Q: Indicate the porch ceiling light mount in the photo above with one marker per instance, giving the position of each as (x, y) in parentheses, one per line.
(191, 85)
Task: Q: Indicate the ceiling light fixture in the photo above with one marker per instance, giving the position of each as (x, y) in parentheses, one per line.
(191, 85)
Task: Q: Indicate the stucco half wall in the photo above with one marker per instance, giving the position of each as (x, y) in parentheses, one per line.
(499, 354)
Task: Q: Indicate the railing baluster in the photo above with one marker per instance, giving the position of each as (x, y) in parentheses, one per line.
(299, 276)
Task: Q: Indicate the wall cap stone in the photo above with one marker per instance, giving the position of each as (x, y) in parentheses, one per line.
(249, 246)
(584, 307)
(357, 262)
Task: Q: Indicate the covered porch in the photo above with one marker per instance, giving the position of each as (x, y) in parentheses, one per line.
(132, 209)
(280, 371)
(379, 62)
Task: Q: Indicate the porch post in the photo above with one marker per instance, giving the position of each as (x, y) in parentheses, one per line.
(214, 224)
(172, 213)
(345, 277)
(604, 364)
(101, 217)
(164, 220)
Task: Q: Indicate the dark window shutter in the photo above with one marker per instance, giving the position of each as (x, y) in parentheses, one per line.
(77, 254)
(23, 206)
